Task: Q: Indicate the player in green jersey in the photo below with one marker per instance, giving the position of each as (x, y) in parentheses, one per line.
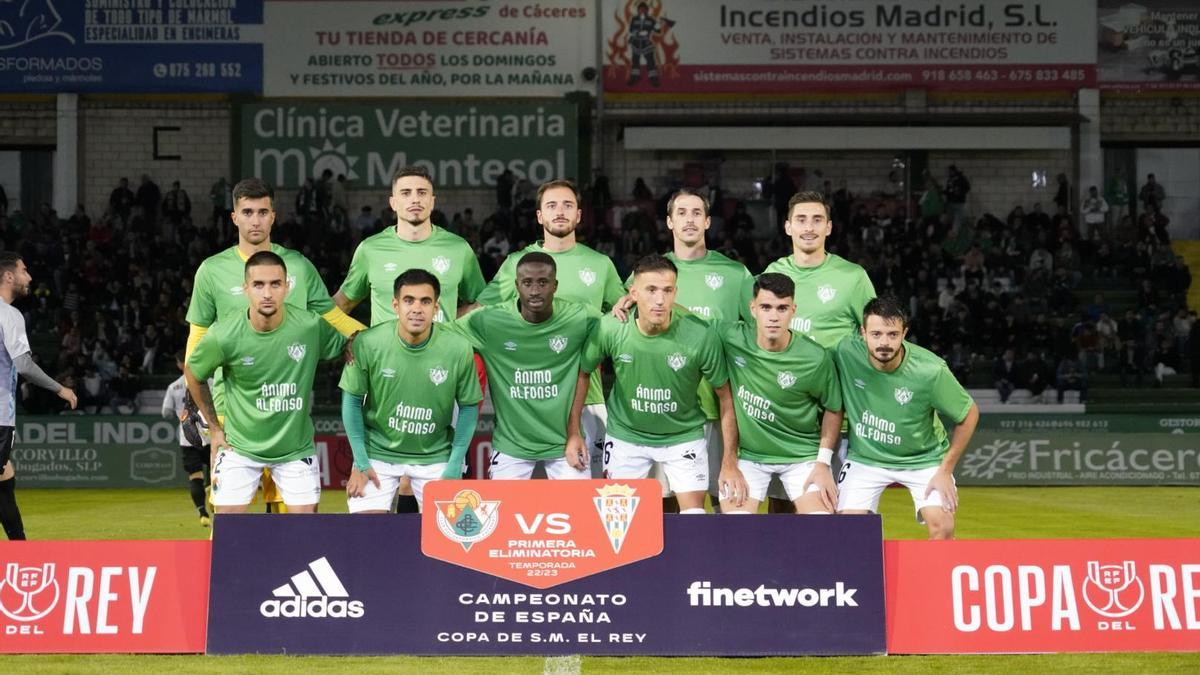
(711, 286)
(654, 414)
(788, 404)
(584, 276)
(217, 290)
(417, 243)
(532, 347)
(893, 392)
(411, 373)
(269, 355)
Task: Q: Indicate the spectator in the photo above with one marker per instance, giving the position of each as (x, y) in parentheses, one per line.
(3, 202)
(1159, 222)
(125, 388)
(1070, 376)
(1039, 220)
(1152, 195)
(149, 197)
(505, 183)
(340, 197)
(177, 205)
(1041, 259)
(641, 192)
(365, 224)
(1116, 193)
(1194, 350)
(782, 189)
(221, 195)
(956, 190)
(1095, 214)
(121, 200)
(1005, 374)
(1035, 374)
(1062, 197)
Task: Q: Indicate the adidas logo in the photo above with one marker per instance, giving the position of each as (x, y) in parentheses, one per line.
(317, 592)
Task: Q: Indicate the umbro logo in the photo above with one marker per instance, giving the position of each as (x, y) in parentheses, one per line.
(859, 383)
(389, 373)
(315, 592)
(237, 290)
(390, 267)
(510, 346)
(247, 360)
(739, 361)
(625, 358)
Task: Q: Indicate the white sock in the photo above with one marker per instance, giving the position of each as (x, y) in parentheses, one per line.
(691, 512)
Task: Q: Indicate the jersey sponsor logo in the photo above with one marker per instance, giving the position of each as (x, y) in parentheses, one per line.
(1114, 591)
(390, 267)
(316, 593)
(558, 343)
(28, 593)
(625, 358)
(247, 360)
(468, 518)
(676, 361)
(438, 375)
(441, 264)
(714, 280)
(296, 351)
(510, 346)
(739, 361)
(785, 379)
(903, 395)
(236, 290)
(587, 276)
(826, 293)
(389, 373)
(616, 505)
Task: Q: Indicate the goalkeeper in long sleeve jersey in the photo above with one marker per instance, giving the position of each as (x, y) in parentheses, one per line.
(398, 399)
(584, 275)
(893, 392)
(269, 355)
(218, 292)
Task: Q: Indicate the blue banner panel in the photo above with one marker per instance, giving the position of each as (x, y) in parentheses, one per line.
(724, 585)
(135, 46)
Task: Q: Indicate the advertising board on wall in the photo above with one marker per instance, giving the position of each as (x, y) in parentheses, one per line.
(147, 46)
(69, 451)
(1150, 44)
(433, 48)
(760, 46)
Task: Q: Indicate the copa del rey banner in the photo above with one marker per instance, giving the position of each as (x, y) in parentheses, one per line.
(1094, 595)
(772, 47)
(103, 596)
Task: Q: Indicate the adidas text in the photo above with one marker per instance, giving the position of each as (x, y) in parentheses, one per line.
(317, 608)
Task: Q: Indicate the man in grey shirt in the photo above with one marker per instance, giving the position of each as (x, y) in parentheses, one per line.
(15, 359)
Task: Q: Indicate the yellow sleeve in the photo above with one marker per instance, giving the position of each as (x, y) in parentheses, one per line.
(341, 321)
(194, 334)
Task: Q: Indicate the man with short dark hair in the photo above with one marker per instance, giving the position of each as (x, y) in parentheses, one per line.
(178, 405)
(16, 359)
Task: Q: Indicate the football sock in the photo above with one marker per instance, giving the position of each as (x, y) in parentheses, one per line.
(407, 504)
(10, 515)
(196, 488)
(691, 512)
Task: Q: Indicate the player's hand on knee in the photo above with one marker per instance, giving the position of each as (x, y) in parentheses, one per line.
(622, 307)
(576, 452)
(943, 482)
(733, 484)
(822, 477)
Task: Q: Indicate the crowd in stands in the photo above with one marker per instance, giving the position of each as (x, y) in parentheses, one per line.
(998, 296)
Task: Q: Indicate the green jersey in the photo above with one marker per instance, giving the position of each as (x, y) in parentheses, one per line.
(268, 381)
(585, 276)
(217, 293)
(713, 288)
(382, 257)
(829, 297)
(532, 368)
(410, 391)
(653, 400)
(893, 416)
(778, 396)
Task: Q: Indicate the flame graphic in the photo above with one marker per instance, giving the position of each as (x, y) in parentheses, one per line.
(666, 46)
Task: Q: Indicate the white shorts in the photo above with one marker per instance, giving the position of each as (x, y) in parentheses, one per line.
(685, 464)
(778, 491)
(594, 423)
(714, 441)
(235, 479)
(861, 485)
(380, 498)
(507, 467)
(792, 476)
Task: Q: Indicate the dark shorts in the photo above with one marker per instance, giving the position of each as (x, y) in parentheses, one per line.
(6, 445)
(194, 458)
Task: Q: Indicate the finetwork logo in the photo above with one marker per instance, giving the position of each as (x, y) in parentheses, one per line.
(317, 593)
(703, 594)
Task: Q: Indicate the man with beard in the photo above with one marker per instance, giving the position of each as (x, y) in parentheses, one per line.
(15, 358)
(893, 392)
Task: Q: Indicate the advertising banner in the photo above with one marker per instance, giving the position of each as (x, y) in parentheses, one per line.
(722, 586)
(763, 46)
(103, 596)
(464, 146)
(433, 48)
(1066, 595)
(109, 451)
(144, 46)
(1150, 44)
(1082, 450)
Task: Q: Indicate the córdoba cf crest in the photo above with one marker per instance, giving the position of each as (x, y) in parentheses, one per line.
(616, 505)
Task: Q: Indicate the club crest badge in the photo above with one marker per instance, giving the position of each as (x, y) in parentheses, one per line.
(785, 379)
(616, 505)
(558, 343)
(291, 279)
(468, 518)
(826, 293)
(714, 280)
(440, 264)
(903, 395)
(676, 361)
(296, 351)
(438, 375)
(587, 276)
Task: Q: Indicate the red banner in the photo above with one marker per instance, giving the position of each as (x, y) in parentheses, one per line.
(558, 532)
(104, 596)
(1099, 595)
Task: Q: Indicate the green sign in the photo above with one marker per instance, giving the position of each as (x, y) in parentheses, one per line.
(461, 145)
(1083, 450)
(110, 451)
